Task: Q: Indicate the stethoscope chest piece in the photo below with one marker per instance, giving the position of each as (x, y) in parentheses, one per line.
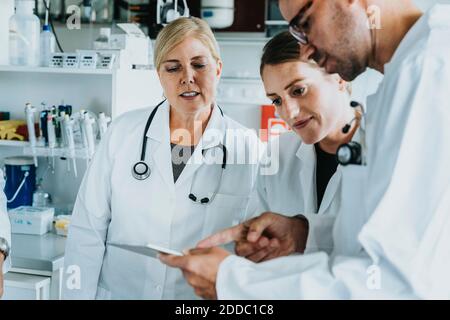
(349, 153)
(353, 152)
(141, 171)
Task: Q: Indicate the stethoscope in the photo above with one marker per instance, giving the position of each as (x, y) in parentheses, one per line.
(354, 152)
(141, 170)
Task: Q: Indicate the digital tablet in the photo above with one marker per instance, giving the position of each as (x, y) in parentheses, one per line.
(150, 250)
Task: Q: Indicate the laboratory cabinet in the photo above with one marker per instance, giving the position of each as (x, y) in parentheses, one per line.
(19, 286)
(37, 262)
(249, 16)
(113, 92)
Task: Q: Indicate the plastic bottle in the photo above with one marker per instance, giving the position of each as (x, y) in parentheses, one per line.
(88, 15)
(41, 198)
(48, 43)
(24, 35)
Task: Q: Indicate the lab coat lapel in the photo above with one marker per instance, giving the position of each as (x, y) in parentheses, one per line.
(335, 181)
(158, 145)
(331, 190)
(307, 156)
(211, 138)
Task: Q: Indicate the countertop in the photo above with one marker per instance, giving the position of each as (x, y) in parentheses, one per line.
(34, 252)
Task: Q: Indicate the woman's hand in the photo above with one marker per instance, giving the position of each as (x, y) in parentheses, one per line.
(199, 268)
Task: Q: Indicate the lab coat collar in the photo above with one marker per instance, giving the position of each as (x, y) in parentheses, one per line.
(215, 130)
(160, 124)
(307, 157)
(158, 146)
(159, 143)
(331, 190)
(334, 183)
(305, 151)
(211, 138)
(160, 127)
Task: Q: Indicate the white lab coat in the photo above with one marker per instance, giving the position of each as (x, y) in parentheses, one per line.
(406, 223)
(289, 188)
(5, 226)
(114, 207)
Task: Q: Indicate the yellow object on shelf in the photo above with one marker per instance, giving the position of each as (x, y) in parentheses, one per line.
(8, 130)
(62, 224)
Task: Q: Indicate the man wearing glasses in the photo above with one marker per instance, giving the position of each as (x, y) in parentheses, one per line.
(5, 235)
(406, 222)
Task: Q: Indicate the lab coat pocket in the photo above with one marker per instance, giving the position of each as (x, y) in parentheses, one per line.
(103, 294)
(223, 212)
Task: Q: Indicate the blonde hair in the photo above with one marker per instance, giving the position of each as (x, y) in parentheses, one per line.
(177, 31)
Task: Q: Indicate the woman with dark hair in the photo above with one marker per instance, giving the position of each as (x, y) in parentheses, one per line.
(316, 106)
(304, 193)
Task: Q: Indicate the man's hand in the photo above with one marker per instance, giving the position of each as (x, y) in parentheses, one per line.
(200, 268)
(2, 259)
(263, 238)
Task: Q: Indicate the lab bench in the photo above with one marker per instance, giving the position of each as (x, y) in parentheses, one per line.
(37, 267)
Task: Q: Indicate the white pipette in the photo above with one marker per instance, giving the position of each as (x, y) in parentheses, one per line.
(68, 129)
(87, 123)
(83, 136)
(30, 111)
(51, 139)
(60, 121)
(103, 121)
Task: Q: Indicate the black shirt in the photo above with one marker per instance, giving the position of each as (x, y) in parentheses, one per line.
(180, 156)
(325, 168)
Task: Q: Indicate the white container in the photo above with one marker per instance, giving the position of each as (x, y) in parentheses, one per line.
(136, 48)
(62, 224)
(47, 46)
(6, 12)
(31, 220)
(24, 35)
(219, 14)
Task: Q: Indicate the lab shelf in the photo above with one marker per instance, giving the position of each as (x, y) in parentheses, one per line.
(80, 153)
(14, 143)
(55, 70)
(113, 92)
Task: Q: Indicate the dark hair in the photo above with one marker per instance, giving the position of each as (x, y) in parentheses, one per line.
(280, 49)
(285, 48)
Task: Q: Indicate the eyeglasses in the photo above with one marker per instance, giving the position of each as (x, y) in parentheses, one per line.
(296, 25)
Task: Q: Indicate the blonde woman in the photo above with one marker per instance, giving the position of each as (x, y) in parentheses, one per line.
(167, 175)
